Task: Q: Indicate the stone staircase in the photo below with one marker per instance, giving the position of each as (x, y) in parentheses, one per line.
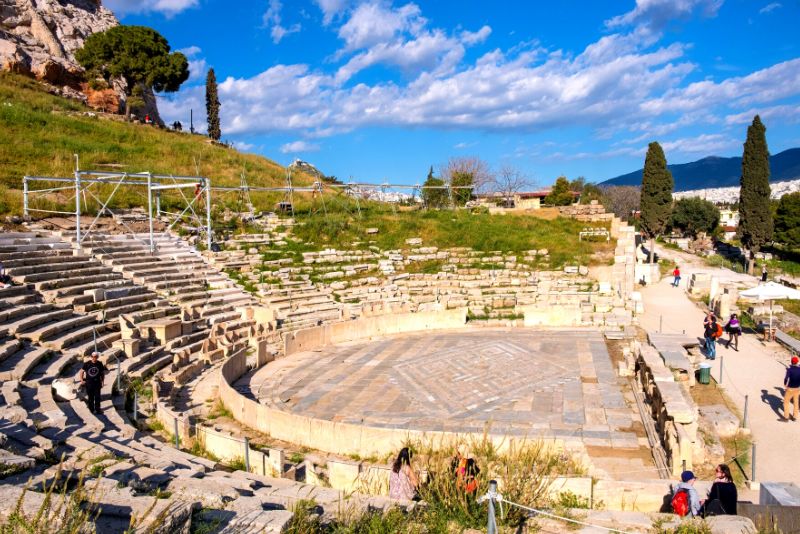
(66, 300)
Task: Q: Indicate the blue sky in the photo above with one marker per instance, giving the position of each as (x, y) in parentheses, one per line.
(379, 90)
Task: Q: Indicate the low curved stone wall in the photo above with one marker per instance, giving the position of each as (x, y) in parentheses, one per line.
(346, 438)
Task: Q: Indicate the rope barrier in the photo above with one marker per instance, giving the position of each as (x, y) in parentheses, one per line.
(492, 496)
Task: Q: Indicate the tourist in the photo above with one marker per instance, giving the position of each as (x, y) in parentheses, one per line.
(403, 481)
(723, 495)
(792, 394)
(466, 471)
(687, 485)
(5, 280)
(734, 329)
(710, 334)
(764, 273)
(676, 281)
(92, 375)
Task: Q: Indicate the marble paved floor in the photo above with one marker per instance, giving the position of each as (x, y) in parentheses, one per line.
(521, 382)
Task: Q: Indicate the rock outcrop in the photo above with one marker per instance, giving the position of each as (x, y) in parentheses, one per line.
(39, 38)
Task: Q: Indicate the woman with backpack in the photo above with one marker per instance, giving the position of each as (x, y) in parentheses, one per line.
(723, 495)
(734, 329)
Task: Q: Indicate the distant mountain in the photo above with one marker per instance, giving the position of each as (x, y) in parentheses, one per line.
(714, 171)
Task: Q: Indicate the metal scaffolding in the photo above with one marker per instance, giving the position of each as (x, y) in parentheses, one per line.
(83, 182)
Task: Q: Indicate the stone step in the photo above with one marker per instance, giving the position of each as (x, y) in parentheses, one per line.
(66, 292)
(80, 281)
(18, 365)
(59, 263)
(31, 257)
(52, 332)
(94, 269)
(29, 322)
(81, 341)
(9, 347)
(25, 310)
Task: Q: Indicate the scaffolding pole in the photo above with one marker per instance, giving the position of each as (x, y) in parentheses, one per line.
(25, 196)
(77, 201)
(150, 210)
(208, 215)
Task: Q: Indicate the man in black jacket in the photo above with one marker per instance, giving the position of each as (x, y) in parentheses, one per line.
(92, 375)
(792, 395)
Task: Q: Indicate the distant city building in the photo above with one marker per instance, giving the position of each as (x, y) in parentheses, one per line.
(729, 217)
(730, 195)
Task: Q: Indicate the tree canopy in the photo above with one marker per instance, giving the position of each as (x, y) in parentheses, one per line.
(755, 218)
(656, 200)
(434, 198)
(467, 176)
(787, 220)
(212, 106)
(136, 54)
(561, 193)
(694, 215)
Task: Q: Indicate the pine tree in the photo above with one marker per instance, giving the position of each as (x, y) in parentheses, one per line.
(212, 106)
(755, 219)
(656, 202)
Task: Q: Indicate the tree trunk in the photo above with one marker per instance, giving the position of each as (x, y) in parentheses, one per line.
(652, 250)
(128, 108)
(751, 262)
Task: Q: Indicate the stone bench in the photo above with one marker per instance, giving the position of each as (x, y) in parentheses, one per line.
(788, 341)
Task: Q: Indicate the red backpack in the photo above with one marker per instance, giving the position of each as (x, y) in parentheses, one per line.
(680, 502)
(719, 332)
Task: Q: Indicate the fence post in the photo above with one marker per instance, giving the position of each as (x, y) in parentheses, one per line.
(660, 324)
(177, 437)
(135, 406)
(720, 369)
(753, 463)
(247, 454)
(491, 527)
(744, 418)
(683, 465)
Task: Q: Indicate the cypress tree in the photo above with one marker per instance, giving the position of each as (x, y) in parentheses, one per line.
(656, 202)
(755, 218)
(212, 106)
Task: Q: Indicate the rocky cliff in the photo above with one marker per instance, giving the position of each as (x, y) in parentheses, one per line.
(39, 38)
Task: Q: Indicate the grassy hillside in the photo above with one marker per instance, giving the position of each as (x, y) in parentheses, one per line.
(40, 132)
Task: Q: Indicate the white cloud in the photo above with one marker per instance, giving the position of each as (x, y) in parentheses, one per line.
(272, 19)
(473, 38)
(190, 51)
(701, 144)
(373, 23)
(623, 82)
(769, 8)
(657, 13)
(167, 7)
(789, 113)
(296, 147)
(331, 9)
(197, 69)
(244, 147)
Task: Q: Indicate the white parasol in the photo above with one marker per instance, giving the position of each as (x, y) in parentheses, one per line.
(771, 291)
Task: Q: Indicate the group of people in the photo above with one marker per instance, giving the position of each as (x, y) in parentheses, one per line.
(404, 481)
(721, 498)
(713, 331)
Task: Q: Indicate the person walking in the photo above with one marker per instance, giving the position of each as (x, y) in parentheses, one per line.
(723, 494)
(791, 395)
(764, 273)
(92, 376)
(710, 334)
(734, 329)
(676, 277)
(403, 481)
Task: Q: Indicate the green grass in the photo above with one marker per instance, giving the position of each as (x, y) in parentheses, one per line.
(40, 132)
(445, 229)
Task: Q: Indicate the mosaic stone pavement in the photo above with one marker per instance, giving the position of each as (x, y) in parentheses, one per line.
(520, 382)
